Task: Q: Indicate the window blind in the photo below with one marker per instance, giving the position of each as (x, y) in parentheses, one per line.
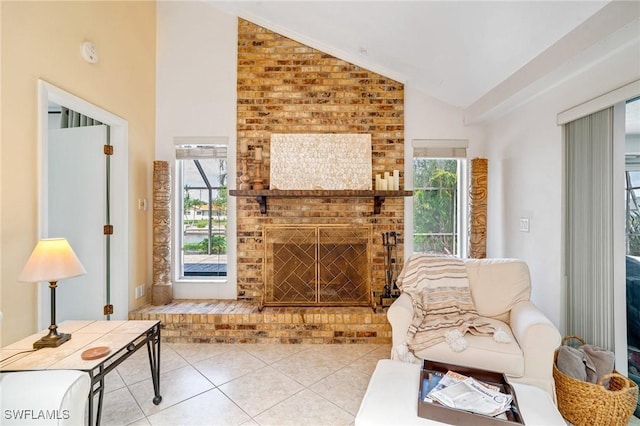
(195, 152)
(590, 250)
(440, 148)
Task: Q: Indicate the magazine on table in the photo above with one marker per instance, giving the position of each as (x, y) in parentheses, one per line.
(466, 393)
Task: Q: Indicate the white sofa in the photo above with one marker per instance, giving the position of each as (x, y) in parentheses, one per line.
(501, 289)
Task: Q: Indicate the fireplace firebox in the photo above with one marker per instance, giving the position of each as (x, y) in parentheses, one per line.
(317, 265)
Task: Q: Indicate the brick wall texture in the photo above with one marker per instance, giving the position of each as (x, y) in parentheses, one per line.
(286, 87)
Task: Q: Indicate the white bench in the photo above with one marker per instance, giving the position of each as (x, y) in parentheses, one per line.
(392, 399)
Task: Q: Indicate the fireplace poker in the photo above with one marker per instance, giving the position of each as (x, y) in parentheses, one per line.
(389, 261)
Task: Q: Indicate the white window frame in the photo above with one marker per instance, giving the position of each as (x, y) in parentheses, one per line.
(204, 287)
(452, 149)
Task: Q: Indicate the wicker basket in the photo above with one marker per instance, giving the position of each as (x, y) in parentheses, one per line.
(585, 403)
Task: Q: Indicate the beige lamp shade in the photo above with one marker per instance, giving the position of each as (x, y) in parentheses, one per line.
(53, 259)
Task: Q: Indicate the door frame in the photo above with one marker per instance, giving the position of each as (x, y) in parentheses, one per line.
(119, 198)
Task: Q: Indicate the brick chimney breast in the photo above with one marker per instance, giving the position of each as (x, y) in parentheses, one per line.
(286, 87)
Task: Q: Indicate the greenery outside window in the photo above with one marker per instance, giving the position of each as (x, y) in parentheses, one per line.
(439, 197)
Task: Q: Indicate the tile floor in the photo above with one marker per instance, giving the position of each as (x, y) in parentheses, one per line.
(247, 384)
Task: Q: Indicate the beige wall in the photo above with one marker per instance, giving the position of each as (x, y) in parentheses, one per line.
(42, 40)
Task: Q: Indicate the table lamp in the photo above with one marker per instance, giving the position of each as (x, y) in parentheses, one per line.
(52, 260)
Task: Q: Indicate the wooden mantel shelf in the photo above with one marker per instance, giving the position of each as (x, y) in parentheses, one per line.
(261, 195)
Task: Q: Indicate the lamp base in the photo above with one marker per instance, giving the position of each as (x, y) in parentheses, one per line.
(51, 340)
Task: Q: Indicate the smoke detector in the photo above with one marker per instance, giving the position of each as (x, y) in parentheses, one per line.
(89, 52)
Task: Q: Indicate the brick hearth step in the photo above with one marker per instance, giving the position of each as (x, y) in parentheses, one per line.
(229, 321)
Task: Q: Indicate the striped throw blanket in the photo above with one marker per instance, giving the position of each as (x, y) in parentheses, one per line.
(442, 304)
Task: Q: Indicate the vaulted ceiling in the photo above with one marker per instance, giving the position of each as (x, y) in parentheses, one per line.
(476, 55)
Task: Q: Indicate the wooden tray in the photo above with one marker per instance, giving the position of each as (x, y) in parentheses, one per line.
(453, 416)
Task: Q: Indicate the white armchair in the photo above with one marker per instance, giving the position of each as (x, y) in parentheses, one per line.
(51, 397)
(501, 289)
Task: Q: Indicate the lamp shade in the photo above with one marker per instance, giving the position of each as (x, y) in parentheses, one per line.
(52, 259)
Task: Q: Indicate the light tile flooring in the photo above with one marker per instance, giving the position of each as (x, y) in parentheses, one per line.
(247, 384)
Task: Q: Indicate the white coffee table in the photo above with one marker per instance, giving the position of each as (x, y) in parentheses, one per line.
(392, 399)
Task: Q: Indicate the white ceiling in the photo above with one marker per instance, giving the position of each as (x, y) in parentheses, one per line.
(455, 51)
(485, 57)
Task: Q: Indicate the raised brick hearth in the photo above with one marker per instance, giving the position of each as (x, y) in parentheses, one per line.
(225, 321)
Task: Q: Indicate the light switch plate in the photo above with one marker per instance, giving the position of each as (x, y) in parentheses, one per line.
(524, 224)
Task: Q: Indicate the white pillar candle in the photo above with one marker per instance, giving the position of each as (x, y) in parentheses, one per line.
(383, 184)
(244, 147)
(258, 154)
(378, 178)
(396, 180)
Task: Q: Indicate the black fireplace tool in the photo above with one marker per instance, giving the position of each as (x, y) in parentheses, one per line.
(391, 291)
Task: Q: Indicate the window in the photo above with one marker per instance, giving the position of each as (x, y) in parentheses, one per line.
(439, 197)
(201, 205)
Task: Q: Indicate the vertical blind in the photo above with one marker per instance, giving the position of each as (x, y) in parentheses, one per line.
(70, 119)
(589, 227)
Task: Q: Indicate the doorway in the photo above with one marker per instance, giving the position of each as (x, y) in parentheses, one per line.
(76, 180)
(68, 208)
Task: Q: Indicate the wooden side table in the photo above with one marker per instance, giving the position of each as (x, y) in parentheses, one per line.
(123, 338)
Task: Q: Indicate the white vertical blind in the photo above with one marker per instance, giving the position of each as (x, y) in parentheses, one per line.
(589, 257)
(70, 119)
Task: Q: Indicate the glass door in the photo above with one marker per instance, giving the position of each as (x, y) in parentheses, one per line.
(632, 259)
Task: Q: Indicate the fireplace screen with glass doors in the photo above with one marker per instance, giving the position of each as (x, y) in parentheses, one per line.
(317, 265)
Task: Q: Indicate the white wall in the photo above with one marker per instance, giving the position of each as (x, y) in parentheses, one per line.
(196, 97)
(428, 118)
(526, 176)
(196, 74)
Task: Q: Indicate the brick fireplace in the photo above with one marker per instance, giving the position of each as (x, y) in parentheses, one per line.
(286, 87)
